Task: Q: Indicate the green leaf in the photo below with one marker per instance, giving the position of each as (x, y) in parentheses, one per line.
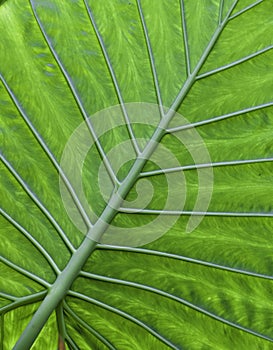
(136, 174)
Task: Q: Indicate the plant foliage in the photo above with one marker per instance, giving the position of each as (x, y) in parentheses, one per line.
(63, 61)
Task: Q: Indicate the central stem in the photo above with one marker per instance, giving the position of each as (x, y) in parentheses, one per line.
(63, 282)
(65, 279)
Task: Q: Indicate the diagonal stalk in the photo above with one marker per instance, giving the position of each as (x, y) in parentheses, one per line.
(63, 282)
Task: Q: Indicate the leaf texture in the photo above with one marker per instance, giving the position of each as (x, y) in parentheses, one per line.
(206, 61)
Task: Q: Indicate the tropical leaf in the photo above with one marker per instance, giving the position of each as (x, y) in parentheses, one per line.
(149, 224)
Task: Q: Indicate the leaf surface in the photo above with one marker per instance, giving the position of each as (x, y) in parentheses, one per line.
(195, 78)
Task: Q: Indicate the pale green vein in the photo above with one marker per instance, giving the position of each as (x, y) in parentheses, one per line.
(124, 315)
(26, 273)
(194, 213)
(76, 96)
(37, 201)
(7, 296)
(88, 327)
(192, 77)
(185, 38)
(71, 342)
(151, 57)
(48, 153)
(205, 165)
(21, 301)
(177, 299)
(33, 241)
(221, 7)
(61, 322)
(221, 117)
(182, 258)
(245, 9)
(235, 63)
(113, 77)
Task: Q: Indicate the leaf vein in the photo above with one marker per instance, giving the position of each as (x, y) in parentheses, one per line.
(205, 165)
(221, 7)
(221, 117)
(76, 96)
(33, 241)
(124, 315)
(235, 63)
(37, 201)
(28, 299)
(177, 299)
(195, 213)
(48, 153)
(113, 77)
(185, 38)
(192, 78)
(88, 327)
(183, 258)
(245, 9)
(151, 57)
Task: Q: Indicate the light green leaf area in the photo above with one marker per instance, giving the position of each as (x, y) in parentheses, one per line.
(48, 337)
(193, 77)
